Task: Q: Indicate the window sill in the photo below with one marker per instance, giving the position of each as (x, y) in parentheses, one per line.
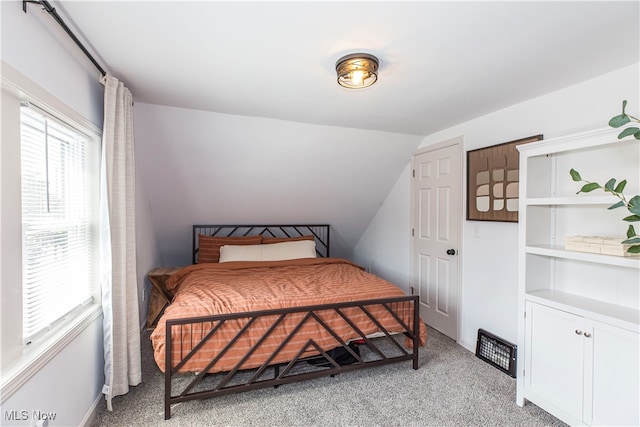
(34, 359)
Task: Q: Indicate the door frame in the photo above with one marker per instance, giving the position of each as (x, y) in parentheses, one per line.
(459, 142)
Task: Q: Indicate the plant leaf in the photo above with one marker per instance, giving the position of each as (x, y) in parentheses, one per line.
(634, 205)
(624, 105)
(628, 131)
(620, 186)
(589, 187)
(617, 205)
(610, 184)
(637, 135)
(575, 175)
(632, 218)
(631, 232)
(634, 249)
(618, 121)
(631, 241)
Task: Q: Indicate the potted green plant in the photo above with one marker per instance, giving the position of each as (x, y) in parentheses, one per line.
(616, 188)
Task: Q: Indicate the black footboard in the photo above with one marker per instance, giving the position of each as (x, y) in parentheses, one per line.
(388, 345)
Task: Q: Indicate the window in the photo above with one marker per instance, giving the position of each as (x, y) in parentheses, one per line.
(60, 188)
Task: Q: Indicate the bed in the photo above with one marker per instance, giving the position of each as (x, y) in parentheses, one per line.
(266, 305)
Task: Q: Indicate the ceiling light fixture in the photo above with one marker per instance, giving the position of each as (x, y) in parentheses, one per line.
(357, 70)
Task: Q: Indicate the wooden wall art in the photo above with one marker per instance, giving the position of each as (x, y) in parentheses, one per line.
(493, 175)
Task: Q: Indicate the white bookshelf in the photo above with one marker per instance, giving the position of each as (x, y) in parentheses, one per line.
(582, 306)
(556, 251)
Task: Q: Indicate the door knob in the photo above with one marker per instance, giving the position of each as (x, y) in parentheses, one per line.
(451, 251)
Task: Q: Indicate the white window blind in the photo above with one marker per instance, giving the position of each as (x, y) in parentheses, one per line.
(60, 187)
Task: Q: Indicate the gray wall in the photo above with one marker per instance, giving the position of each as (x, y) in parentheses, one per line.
(70, 383)
(205, 168)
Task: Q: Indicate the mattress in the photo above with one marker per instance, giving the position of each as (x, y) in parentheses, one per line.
(212, 289)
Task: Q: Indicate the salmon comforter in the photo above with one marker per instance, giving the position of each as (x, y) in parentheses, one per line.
(243, 286)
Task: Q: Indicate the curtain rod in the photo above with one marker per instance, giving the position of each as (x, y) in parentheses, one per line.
(52, 11)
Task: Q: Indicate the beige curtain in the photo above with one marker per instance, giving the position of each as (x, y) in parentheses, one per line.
(121, 323)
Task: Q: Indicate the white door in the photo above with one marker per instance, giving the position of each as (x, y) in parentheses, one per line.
(436, 206)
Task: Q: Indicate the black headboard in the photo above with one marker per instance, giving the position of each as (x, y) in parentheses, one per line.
(320, 233)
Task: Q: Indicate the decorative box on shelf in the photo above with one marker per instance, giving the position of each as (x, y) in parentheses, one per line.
(597, 245)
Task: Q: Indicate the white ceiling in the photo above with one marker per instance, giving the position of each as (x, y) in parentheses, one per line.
(441, 63)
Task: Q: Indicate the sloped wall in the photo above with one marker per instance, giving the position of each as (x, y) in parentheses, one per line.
(204, 168)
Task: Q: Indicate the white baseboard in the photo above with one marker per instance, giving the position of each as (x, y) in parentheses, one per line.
(92, 412)
(471, 346)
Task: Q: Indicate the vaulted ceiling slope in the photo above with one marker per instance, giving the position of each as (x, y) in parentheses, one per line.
(198, 167)
(441, 63)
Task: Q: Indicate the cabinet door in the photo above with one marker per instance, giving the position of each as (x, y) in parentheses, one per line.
(554, 357)
(612, 377)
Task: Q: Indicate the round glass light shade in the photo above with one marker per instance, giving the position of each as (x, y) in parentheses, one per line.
(357, 70)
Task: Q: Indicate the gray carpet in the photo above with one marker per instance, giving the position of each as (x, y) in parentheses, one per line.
(451, 388)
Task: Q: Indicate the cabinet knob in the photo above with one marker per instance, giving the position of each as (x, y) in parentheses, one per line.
(587, 334)
(578, 332)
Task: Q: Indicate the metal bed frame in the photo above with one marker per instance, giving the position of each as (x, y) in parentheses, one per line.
(320, 232)
(385, 348)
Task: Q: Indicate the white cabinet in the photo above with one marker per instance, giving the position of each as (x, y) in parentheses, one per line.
(579, 321)
(554, 361)
(612, 395)
(583, 370)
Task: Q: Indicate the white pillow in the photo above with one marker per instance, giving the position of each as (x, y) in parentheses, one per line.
(270, 252)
